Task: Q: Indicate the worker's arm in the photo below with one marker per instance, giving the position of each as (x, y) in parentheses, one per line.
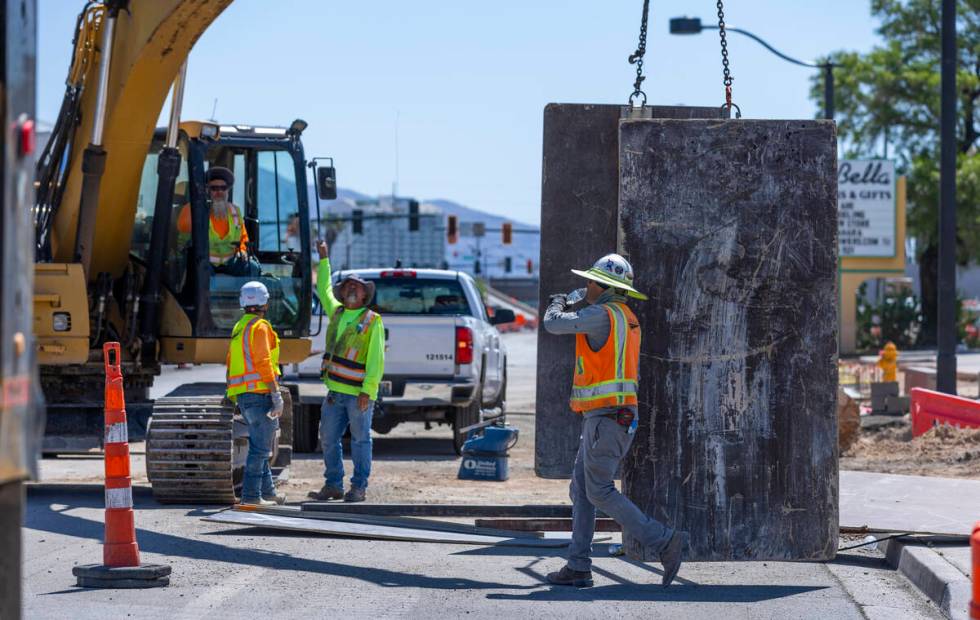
(324, 288)
(590, 320)
(262, 345)
(243, 240)
(375, 360)
(184, 220)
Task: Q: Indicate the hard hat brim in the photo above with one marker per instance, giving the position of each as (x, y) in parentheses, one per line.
(602, 278)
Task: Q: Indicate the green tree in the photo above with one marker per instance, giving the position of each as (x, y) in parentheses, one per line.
(887, 104)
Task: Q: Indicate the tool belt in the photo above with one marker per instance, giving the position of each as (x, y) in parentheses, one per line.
(623, 417)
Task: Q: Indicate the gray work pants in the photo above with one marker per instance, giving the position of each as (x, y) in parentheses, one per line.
(602, 446)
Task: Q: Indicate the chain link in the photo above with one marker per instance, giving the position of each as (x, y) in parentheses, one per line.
(636, 58)
(727, 79)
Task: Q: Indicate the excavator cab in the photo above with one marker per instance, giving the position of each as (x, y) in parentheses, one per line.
(201, 299)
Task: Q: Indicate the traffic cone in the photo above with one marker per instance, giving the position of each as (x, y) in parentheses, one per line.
(975, 545)
(120, 566)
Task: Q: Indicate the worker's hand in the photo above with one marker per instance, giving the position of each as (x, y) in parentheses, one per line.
(363, 400)
(277, 405)
(559, 298)
(322, 249)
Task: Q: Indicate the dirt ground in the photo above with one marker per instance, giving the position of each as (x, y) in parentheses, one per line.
(943, 451)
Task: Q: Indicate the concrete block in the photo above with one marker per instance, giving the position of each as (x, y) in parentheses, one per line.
(928, 571)
(579, 202)
(731, 227)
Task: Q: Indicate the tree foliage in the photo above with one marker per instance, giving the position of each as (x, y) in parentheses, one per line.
(888, 104)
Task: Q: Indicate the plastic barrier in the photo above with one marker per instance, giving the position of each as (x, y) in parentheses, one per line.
(931, 408)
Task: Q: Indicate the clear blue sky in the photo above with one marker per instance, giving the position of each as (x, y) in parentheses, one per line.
(468, 81)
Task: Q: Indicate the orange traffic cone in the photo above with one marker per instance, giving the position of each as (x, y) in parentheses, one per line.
(121, 566)
(975, 545)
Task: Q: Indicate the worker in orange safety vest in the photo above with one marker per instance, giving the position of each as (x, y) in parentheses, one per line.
(604, 392)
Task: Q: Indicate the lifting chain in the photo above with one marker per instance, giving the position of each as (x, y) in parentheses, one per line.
(728, 79)
(636, 58)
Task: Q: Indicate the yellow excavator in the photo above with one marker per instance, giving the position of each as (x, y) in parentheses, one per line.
(110, 264)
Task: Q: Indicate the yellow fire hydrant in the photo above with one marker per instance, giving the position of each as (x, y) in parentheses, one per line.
(888, 362)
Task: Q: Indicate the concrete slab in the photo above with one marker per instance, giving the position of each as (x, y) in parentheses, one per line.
(909, 503)
(731, 227)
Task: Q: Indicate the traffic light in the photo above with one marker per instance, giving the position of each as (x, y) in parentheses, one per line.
(507, 264)
(413, 215)
(452, 234)
(507, 230)
(530, 266)
(476, 267)
(357, 217)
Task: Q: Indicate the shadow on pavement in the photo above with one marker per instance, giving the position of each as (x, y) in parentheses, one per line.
(48, 519)
(655, 592)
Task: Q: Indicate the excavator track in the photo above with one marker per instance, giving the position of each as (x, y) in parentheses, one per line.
(195, 450)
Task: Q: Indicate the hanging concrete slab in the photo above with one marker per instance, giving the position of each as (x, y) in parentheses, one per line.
(579, 197)
(731, 228)
(377, 532)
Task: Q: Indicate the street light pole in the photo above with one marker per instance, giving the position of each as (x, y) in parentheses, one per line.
(693, 25)
(946, 312)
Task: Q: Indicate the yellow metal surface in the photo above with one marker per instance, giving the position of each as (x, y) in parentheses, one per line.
(173, 318)
(60, 288)
(193, 129)
(215, 350)
(152, 40)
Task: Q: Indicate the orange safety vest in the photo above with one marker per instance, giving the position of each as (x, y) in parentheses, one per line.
(608, 377)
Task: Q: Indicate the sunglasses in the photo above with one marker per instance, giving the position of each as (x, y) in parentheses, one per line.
(218, 188)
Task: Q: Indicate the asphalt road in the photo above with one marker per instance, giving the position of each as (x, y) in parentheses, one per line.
(246, 572)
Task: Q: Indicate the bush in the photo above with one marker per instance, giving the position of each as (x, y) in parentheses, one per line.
(898, 318)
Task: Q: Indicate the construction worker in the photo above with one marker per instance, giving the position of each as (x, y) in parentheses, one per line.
(227, 237)
(604, 389)
(253, 368)
(353, 364)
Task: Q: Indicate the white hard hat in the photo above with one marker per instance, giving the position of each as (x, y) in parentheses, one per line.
(253, 294)
(612, 270)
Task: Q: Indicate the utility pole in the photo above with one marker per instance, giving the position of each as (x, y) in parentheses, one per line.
(946, 313)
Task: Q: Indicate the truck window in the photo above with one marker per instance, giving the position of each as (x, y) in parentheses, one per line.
(420, 296)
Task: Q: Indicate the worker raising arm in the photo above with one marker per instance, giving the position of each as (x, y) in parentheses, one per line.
(353, 364)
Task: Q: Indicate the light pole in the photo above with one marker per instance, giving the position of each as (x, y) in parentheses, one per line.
(693, 25)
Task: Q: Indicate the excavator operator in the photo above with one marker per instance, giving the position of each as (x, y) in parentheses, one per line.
(228, 239)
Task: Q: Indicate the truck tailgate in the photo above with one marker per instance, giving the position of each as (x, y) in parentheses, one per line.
(420, 345)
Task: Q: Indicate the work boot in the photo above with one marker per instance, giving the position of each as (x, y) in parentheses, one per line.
(356, 494)
(673, 554)
(278, 499)
(569, 577)
(258, 501)
(326, 493)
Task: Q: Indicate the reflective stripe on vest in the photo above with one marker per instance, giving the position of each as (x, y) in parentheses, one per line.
(221, 249)
(612, 382)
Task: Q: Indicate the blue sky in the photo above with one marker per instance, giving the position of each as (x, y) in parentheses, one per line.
(468, 81)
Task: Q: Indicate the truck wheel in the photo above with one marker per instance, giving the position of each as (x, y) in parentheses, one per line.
(306, 428)
(465, 416)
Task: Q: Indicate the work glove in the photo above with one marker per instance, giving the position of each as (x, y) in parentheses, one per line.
(559, 298)
(277, 405)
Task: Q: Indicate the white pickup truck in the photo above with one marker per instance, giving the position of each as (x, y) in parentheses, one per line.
(444, 360)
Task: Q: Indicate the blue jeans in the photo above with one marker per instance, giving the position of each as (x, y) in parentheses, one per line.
(339, 411)
(602, 446)
(261, 433)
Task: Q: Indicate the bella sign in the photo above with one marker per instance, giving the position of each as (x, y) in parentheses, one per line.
(866, 208)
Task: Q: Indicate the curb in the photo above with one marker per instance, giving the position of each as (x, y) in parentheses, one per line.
(942, 582)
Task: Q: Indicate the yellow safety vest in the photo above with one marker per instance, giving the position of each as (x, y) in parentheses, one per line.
(345, 358)
(222, 249)
(242, 374)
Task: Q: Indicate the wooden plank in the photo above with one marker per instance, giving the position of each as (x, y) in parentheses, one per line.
(731, 227)
(546, 511)
(411, 522)
(545, 525)
(377, 532)
(579, 202)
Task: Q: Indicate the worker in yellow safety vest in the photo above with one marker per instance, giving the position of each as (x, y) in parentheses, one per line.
(604, 392)
(227, 237)
(252, 376)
